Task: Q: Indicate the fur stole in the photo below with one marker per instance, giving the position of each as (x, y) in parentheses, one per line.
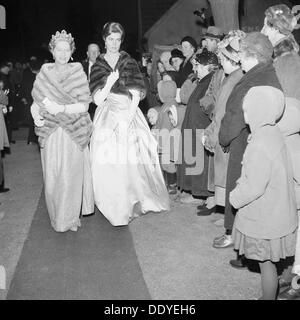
(130, 75)
(285, 46)
(71, 87)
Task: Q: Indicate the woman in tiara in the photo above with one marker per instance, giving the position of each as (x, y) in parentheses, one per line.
(61, 98)
(127, 178)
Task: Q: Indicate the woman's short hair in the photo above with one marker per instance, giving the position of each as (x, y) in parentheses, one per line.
(113, 27)
(257, 45)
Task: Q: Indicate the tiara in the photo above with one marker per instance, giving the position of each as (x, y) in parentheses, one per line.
(61, 36)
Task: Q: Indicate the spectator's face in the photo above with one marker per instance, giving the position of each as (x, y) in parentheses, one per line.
(93, 52)
(269, 31)
(113, 42)
(187, 49)
(62, 52)
(165, 58)
(226, 64)
(18, 65)
(5, 70)
(10, 65)
(177, 63)
(201, 70)
(211, 44)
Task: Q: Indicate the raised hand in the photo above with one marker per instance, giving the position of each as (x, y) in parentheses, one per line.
(135, 93)
(112, 78)
(52, 107)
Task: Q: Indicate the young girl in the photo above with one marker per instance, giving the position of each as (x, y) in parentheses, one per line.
(266, 222)
(176, 116)
(289, 125)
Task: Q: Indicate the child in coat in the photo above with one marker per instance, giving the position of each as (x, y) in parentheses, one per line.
(266, 223)
(167, 91)
(289, 125)
(176, 116)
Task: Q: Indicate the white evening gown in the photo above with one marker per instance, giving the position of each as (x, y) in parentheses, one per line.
(127, 177)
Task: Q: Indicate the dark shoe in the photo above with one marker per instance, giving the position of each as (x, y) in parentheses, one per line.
(225, 241)
(289, 294)
(206, 212)
(238, 263)
(201, 207)
(12, 141)
(2, 190)
(88, 215)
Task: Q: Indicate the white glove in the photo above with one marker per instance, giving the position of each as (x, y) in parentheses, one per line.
(112, 78)
(52, 107)
(39, 122)
(35, 112)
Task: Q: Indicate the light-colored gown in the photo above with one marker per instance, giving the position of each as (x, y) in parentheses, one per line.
(127, 178)
(64, 146)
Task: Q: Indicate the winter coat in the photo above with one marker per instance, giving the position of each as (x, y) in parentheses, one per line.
(289, 125)
(234, 132)
(167, 93)
(218, 176)
(264, 195)
(192, 173)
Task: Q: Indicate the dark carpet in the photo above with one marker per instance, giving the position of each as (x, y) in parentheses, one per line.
(96, 262)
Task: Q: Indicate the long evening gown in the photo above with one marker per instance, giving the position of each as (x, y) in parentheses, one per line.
(127, 178)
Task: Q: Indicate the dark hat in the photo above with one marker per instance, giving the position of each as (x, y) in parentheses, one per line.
(258, 43)
(213, 32)
(282, 18)
(191, 40)
(206, 57)
(176, 53)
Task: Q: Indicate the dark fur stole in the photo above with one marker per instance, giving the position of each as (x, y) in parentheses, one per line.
(285, 46)
(130, 75)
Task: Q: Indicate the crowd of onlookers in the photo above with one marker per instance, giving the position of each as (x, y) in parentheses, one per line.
(16, 81)
(226, 115)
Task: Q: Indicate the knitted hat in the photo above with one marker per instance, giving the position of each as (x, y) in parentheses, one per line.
(191, 40)
(282, 17)
(213, 32)
(206, 57)
(258, 44)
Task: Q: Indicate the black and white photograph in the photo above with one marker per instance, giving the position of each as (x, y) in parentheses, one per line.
(150, 151)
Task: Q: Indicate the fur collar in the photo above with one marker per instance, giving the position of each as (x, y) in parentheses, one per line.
(130, 76)
(285, 46)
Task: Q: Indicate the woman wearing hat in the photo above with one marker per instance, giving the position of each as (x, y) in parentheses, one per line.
(192, 173)
(280, 22)
(189, 47)
(229, 58)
